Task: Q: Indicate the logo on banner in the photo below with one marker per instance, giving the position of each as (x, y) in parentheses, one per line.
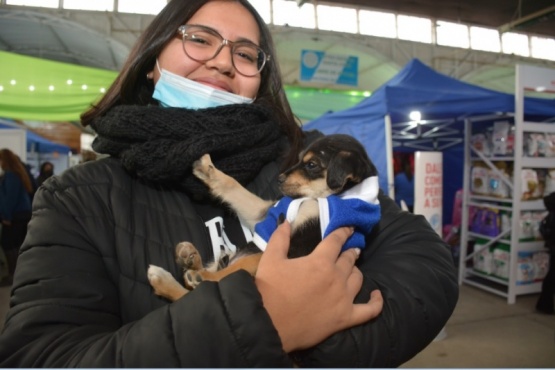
(319, 66)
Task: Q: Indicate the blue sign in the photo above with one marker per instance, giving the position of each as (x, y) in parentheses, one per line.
(319, 66)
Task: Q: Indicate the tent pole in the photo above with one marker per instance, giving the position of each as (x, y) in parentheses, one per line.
(389, 157)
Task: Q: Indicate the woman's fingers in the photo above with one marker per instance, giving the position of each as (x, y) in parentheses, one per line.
(363, 312)
(354, 282)
(278, 245)
(330, 247)
(311, 297)
(347, 259)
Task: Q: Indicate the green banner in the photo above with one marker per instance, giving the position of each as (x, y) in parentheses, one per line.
(37, 89)
(44, 90)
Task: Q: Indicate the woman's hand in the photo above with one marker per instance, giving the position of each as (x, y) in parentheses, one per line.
(310, 298)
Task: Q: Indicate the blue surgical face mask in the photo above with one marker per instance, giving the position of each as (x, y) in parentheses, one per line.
(175, 91)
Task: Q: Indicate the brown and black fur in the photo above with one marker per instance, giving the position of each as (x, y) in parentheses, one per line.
(330, 165)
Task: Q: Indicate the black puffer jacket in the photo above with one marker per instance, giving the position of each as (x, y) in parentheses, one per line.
(81, 296)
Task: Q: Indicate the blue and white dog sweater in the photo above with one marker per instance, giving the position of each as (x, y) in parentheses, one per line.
(358, 207)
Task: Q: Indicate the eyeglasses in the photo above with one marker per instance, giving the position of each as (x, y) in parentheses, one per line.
(203, 44)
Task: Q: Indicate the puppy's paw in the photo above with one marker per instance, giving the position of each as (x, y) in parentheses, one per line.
(187, 256)
(164, 284)
(158, 278)
(192, 279)
(204, 168)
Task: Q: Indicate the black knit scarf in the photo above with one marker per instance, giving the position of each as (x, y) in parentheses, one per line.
(159, 145)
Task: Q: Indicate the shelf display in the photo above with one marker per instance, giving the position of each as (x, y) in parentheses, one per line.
(509, 166)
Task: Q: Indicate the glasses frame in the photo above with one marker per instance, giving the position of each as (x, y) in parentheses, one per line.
(182, 31)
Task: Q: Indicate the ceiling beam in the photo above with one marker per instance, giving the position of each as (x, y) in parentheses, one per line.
(528, 20)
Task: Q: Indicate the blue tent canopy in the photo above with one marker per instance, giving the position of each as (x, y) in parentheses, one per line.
(36, 143)
(443, 101)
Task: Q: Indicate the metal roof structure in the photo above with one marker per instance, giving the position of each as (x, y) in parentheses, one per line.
(103, 40)
(533, 17)
(48, 36)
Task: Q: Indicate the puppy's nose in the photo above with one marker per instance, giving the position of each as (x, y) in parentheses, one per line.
(281, 179)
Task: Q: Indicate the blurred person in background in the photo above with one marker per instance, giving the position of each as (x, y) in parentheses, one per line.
(46, 171)
(404, 185)
(545, 303)
(16, 192)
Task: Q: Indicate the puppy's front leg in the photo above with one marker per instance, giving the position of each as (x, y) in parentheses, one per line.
(250, 208)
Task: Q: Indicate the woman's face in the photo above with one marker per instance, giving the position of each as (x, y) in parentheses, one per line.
(231, 20)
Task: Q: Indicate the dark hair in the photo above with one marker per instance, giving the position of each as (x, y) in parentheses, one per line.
(44, 165)
(132, 86)
(12, 162)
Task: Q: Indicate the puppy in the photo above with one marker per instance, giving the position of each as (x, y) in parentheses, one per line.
(334, 164)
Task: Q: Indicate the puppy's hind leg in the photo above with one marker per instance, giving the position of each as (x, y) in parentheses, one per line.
(248, 263)
(187, 256)
(164, 284)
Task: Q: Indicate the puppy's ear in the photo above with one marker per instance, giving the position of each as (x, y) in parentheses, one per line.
(340, 170)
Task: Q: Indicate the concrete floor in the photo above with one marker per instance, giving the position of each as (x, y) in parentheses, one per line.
(484, 332)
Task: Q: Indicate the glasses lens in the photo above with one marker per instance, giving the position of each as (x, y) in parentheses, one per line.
(248, 58)
(203, 44)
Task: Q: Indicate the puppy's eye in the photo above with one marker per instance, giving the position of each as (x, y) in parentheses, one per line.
(311, 166)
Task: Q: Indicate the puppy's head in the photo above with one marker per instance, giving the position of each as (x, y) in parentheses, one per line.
(330, 165)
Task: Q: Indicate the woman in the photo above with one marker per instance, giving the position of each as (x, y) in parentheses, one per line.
(15, 206)
(81, 295)
(46, 171)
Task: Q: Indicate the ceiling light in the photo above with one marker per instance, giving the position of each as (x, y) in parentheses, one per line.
(31, 88)
(69, 82)
(415, 115)
(51, 87)
(12, 82)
